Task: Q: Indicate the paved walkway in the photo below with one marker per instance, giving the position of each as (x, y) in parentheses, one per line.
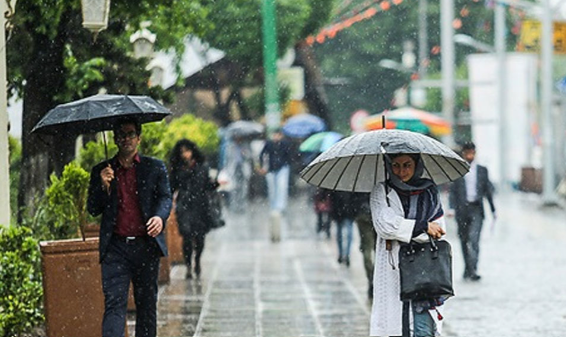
(252, 287)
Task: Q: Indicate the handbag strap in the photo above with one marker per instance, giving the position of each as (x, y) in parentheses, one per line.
(406, 321)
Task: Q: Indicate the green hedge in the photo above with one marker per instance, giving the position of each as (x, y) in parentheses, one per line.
(21, 292)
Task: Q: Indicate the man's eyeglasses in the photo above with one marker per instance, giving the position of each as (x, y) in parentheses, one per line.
(126, 135)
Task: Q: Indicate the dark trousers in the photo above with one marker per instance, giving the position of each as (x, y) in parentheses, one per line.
(470, 222)
(193, 242)
(136, 262)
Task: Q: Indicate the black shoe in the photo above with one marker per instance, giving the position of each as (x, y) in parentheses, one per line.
(340, 260)
(475, 278)
(347, 261)
(189, 274)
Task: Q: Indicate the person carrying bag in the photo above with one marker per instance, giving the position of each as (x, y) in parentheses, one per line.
(406, 213)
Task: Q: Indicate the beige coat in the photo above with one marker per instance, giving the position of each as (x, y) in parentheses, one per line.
(390, 224)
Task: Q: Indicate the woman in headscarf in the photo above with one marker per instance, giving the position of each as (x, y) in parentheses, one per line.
(190, 183)
(405, 207)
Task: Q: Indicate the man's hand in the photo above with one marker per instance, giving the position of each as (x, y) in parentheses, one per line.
(435, 230)
(106, 176)
(154, 226)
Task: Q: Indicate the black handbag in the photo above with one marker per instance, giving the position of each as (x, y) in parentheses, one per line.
(426, 270)
(216, 219)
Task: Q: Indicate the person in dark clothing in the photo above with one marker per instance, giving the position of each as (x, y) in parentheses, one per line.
(343, 211)
(368, 236)
(322, 208)
(466, 198)
(275, 163)
(132, 193)
(190, 184)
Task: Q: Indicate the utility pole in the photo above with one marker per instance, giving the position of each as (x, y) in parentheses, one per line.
(548, 195)
(423, 38)
(500, 50)
(447, 60)
(272, 113)
(4, 152)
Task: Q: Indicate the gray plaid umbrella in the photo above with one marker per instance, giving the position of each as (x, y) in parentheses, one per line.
(356, 163)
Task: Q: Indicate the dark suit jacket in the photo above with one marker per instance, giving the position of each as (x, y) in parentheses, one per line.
(154, 196)
(484, 189)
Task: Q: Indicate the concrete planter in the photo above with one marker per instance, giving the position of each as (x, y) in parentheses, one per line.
(73, 298)
(174, 240)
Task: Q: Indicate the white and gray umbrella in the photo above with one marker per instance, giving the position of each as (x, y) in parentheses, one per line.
(356, 163)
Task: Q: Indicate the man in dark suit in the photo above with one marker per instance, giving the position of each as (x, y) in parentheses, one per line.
(466, 198)
(132, 193)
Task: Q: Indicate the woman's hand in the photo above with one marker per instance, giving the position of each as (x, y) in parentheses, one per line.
(434, 230)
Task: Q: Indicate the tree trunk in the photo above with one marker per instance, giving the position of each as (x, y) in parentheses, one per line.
(315, 95)
(41, 154)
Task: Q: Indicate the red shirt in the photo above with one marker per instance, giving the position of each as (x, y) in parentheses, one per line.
(129, 221)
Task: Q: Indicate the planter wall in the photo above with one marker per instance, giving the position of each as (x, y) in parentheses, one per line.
(174, 240)
(74, 302)
(531, 180)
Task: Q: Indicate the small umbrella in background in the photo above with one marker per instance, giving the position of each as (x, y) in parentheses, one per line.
(317, 143)
(409, 118)
(244, 129)
(303, 125)
(320, 142)
(99, 113)
(356, 163)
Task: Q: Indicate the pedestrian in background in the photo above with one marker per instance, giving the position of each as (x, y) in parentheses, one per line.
(132, 194)
(190, 183)
(275, 164)
(368, 236)
(238, 165)
(466, 198)
(343, 212)
(322, 208)
(405, 207)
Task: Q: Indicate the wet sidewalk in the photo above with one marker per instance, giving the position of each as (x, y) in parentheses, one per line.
(253, 287)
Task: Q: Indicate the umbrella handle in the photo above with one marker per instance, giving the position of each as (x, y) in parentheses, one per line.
(388, 243)
(105, 145)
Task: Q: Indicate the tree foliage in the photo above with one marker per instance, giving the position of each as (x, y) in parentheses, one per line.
(355, 52)
(21, 292)
(52, 59)
(238, 32)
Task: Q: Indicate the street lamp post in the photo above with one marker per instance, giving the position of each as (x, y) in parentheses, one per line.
(447, 61)
(548, 195)
(6, 12)
(272, 113)
(394, 65)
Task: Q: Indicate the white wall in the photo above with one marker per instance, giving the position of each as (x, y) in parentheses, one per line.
(520, 114)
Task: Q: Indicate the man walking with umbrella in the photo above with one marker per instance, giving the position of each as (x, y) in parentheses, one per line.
(132, 193)
(466, 198)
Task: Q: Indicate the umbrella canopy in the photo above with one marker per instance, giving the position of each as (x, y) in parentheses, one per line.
(411, 119)
(303, 125)
(320, 142)
(99, 113)
(356, 163)
(246, 129)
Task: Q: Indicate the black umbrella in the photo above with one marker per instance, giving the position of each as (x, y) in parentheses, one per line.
(356, 163)
(99, 113)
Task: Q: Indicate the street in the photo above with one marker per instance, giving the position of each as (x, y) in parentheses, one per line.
(253, 287)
